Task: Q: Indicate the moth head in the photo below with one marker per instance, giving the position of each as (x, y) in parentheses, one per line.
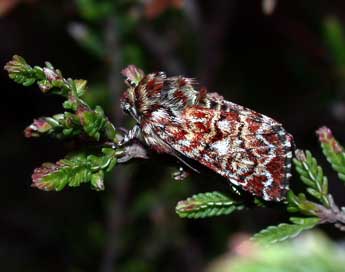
(133, 77)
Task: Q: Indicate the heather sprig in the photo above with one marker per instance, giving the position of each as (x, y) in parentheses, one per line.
(207, 205)
(314, 205)
(332, 150)
(74, 170)
(78, 120)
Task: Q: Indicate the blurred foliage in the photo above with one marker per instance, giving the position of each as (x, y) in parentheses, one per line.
(95, 10)
(335, 39)
(310, 252)
(275, 234)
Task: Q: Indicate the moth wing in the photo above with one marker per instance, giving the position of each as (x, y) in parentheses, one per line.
(216, 101)
(251, 151)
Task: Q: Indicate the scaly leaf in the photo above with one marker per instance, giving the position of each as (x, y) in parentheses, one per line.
(23, 73)
(94, 122)
(274, 234)
(74, 170)
(207, 205)
(311, 175)
(299, 203)
(79, 119)
(333, 151)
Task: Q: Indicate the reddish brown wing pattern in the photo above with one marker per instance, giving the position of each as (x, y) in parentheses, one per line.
(262, 133)
(248, 148)
(251, 150)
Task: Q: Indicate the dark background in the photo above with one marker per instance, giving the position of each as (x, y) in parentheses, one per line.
(285, 64)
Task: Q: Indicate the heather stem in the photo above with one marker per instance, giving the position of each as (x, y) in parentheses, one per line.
(332, 215)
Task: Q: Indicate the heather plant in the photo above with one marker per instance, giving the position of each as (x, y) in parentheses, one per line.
(102, 150)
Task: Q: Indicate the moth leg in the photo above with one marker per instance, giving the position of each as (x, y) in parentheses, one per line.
(181, 174)
(130, 135)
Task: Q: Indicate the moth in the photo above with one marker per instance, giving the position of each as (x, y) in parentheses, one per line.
(251, 150)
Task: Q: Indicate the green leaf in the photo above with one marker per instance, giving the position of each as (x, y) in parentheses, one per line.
(299, 203)
(311, 174)
(333, 151)
(303, 220)
(97, 181)
(21, 72)
(274, 234)
(59, 126)
(91, 123)
(207, 205)
(94, 122)
(74, 170)
(80, 118)
(80, 85)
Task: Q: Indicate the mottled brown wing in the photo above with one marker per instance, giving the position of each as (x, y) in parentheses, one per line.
(251, 150)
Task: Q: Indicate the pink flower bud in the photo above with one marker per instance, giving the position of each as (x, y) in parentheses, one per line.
(38, 127)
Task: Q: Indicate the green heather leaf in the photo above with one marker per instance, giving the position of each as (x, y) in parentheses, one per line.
(207, 205)
(303, 220)
(80, 85)
(110, 131)
(21, 72)
(274, 234)
(333, 151)
(97, 181)
(314, 193)
(299, 203)
(74, 170)
(94, 122)
(59, 126)
(80, 118)
(311, 174)
(67, 125)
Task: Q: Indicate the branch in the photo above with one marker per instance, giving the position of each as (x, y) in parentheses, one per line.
(331, 215)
